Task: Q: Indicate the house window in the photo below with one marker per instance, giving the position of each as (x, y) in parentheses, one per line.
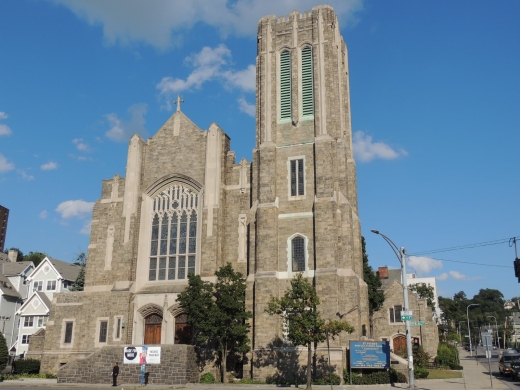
(298, 254)
(28, 322)
(25, 338)
(297, 177)
(51, 285)
(103, 327)
(307, 84)
(285, 85)
(68, 332)
(38, 285)
(395, 313)
(42, 320)
(174, 234)
(117, 331)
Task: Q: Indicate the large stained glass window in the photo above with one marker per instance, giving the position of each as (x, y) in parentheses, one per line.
(174, 234)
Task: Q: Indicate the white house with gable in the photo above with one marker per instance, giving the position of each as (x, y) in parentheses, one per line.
(51, 276)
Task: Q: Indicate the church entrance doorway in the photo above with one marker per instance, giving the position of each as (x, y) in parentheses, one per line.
(183, 332)
(152, 329)
(400, 346)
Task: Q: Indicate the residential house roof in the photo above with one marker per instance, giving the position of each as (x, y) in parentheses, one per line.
(67, 270)
(7, 288)
(9, 268)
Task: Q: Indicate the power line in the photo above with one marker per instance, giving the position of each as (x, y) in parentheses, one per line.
(468, 246)
(469, 262)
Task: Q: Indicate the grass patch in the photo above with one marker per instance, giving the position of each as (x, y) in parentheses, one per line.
(444, 374)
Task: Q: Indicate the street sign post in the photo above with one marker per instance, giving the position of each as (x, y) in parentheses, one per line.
(487, 342)
(417, 323)
(406, 315)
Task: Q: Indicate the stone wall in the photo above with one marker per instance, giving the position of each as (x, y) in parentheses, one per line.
(383, 328)
(178, 366)
(36, 343)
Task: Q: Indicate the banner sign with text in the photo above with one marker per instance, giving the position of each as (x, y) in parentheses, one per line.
(142, 355)
(369, 354)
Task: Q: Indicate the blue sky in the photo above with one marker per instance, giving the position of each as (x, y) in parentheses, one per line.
(435, 113)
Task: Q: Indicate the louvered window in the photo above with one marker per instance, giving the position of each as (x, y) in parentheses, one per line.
(307, 83)
(285, 85)
(174, 234)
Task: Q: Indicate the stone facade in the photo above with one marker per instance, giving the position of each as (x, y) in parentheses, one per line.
(178, 366)
(292, 209)
(386, 329)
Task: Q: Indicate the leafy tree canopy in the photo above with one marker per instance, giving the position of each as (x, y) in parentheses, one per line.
(217, 312)
(35, 257)
(376, 296)
(79, 283)
(298, 308)
(424, 291)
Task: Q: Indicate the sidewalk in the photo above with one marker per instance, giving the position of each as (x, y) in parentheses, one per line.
(475, 376)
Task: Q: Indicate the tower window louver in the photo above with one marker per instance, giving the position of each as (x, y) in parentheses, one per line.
(307, 83)
(285, 85)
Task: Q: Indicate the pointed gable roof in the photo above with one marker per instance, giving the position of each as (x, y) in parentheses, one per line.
(35, 295)
(9, 268)
(67, 271)
(7, 288)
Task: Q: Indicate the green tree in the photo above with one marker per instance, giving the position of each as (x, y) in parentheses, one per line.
(376, 296)
(20, 253)
(79, 283)
(217, 312)
(35, 257)
(298, 308)
(424, 291)
(4, 353)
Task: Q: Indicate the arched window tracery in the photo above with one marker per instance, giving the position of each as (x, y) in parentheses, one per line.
(173, 244)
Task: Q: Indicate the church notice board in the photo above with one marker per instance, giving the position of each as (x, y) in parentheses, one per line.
(142, 355)
(370, 354)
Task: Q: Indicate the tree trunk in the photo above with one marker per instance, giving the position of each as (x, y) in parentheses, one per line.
(309, 366)
(224, 360)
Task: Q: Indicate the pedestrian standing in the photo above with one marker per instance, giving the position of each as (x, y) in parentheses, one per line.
(115, 373)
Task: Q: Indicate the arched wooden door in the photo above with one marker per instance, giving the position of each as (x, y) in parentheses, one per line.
(400, 345)
(152, 329)
(183, 332)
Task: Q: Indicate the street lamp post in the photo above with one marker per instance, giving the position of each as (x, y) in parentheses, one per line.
(469, 330)
(401, 256)
(496, 328)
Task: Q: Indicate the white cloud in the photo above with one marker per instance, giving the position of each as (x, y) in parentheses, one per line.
(51, 165)
(208, 65)
(456, 275)
(5, 130)
(44, 214)
(75, 208)
(3, 115)
(423, 265)
(162, 23)
(366, 150)
(121, 130)
(80, 144)
(25, 175)
(5, 166)
(244, 106)
(86, 228)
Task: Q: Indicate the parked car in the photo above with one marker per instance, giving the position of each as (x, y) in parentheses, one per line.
(515, 370)
(506, 358)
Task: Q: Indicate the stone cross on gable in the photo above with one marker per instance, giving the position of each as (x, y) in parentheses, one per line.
(178, 102)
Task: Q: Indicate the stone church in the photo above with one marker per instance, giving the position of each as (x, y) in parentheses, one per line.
(186, 206)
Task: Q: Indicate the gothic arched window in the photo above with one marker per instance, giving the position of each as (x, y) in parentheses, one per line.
(174, 234)
(298, 254)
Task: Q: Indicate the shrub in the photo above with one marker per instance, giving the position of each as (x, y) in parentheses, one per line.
(27, 366)
(4, 353)
(421, 357)
(456, 367)
(379, 377)
(207, 377)
(249, 381)
(325, 379)
(420, 373)
(447, 355)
